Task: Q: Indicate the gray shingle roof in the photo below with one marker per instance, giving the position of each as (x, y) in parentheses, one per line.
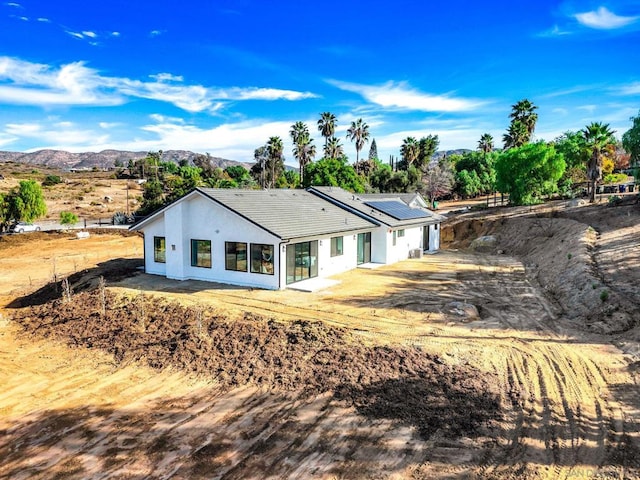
(356, 201)
(288, 214)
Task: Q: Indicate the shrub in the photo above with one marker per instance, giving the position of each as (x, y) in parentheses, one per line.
(51, 180)
(604, 295)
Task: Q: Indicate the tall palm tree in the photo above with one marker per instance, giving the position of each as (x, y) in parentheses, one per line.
(327, 126)
(524, 112)
(333, 148)
(597, 138)
(485, 144)
(410, 150)
(358, 133)
(303, 148)
(275, 158)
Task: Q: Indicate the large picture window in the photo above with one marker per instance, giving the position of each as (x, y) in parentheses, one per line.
(262, 258)
(336, 246)
(236, 256)
(201, 253)
(159, 250)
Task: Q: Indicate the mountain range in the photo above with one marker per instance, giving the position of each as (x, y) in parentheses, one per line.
(103, 160)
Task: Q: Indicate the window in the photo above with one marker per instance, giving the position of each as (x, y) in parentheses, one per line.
(400, 233)
(435, 227)
(201, 253)
(395, 235)
(262, 258)
(235, 256)
(336, 246)
(159, 250)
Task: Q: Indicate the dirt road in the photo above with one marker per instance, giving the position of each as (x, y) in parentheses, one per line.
(569, 397)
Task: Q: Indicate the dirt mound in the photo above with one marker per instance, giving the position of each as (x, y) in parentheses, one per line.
(401, 383)
(560, 250)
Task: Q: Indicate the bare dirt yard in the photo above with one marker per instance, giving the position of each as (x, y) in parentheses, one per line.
(511, 357)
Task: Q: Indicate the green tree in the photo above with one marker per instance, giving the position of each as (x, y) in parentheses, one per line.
(631, 142)
(275, 158)
(239, 174)
(373, 150)
(598, 137)
(68, 219)
(485, 144)
(303, 148)
(26, 202)
(327, 126)
(152, 197)
(480, 174)
(409, 151)
(428, 148)
(333, 148)
(358, 133)
(523, 124)
(335, 172)
(529, 172)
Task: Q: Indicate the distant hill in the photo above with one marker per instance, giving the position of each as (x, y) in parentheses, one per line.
(441, 153)
(103, 160)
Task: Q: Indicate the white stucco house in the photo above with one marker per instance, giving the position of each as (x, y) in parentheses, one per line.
(274, 238)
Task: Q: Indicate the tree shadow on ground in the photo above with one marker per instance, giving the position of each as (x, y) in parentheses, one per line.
(112, 271)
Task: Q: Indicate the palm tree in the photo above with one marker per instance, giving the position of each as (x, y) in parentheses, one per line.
(516, 136)
(327, 126)
(333, 149)
(303, 149)
(485, 144)
(358, 132)
(597, 137)
(410, 151)
(275, 158)
(524, 112)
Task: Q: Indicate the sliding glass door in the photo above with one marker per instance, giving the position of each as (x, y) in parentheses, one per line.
(364, 248)
(302, 261)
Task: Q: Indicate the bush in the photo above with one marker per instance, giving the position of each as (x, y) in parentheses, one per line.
(604, 295)
(68, 219)
(615, 178)
(51, 180)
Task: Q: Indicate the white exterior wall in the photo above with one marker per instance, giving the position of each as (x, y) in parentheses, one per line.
(412, 239)
(328, 265)
(200, 219)
(154, 229)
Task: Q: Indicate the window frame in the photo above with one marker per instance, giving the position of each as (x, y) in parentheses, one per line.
(195, 254)
(157, 249)
(337, 246)
(235, 256)
(401, 233)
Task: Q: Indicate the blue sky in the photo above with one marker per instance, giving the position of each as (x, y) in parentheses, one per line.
(222, 76)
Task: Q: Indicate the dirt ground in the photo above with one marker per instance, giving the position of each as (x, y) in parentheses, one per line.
(404, 379)
(90, 195)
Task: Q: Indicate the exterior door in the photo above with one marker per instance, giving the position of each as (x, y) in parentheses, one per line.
(364, 248)
(425, 238)
(302, 261)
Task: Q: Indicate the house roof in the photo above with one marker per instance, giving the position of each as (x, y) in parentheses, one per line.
(287, 214)
(358, 204)
(407, 198)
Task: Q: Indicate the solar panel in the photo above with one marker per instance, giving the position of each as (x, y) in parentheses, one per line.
(397, 210)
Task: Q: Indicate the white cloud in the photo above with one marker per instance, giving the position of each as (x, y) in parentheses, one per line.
(603, 19)
(630, 89)
(14, 4)
(156, 33)
(90, 34)
(556, 31)
(115, 34)
(74, 34)
(76, 84)
(38, 84)
(254, 93)
(43, 20)
(400, 95)
(64, 135)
